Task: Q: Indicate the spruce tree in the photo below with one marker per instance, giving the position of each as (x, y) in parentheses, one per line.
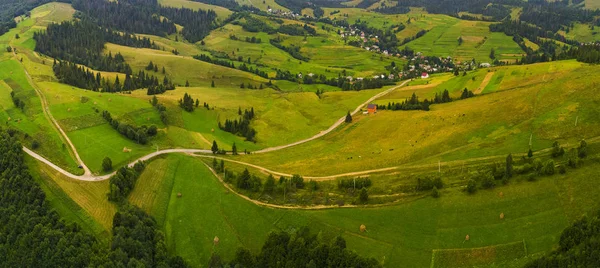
(212, 83)
(215, 147)
(234, 149)
(509, 166)
(348, 118)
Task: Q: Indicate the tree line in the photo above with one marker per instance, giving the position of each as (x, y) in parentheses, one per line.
(578, 246)
(293, 50)
(230, 64)
(82, 77)
(252, 40)
(137, 134)
(241, 126)
(298, 249)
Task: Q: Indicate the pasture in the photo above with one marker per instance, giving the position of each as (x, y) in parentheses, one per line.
(539, 102)
(398, 235)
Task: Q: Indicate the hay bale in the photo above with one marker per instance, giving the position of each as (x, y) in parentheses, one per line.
(216, 241)
(68, 110)
(467, 238)
(9, 119)
(501, 194)
(179, 195)
(212, 130)
(126, 150)
(363, 228)
(502, 216)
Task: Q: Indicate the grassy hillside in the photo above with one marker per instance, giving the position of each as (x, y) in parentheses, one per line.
(536, 213)
(541, 102)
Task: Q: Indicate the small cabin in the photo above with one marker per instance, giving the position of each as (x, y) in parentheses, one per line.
(424, 75)
(372, 108)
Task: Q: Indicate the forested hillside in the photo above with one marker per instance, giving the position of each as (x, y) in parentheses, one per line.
(33, 235)
(140, 16)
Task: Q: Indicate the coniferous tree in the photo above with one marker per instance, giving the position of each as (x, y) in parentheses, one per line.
(509, 166)
(215, 147)
(348, 118)
(234, 149)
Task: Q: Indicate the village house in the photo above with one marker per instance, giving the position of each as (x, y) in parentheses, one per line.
(372, 108)
(424, 75)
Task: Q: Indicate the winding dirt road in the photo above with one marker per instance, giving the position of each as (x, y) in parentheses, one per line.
(88, 176)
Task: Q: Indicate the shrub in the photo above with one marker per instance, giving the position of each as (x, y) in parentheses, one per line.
(561, 169)
(35, 144)
(107, 164)
(471, 186)
(531, 177)
(488, 181)
(435, 192)
(364, 196)
(548, 168)
(538, 165)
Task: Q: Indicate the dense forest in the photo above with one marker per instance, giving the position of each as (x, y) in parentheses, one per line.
(140, 16)
(34, 235)
(82, 42)
(82, 77)
(579, 246)
(299, 249)
(230, 4)
(298, 5)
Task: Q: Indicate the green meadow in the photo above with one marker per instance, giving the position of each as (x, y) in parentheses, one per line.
(398, 235)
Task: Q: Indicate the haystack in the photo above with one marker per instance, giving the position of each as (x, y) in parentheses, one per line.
(179, 195)
(467, 238)
(216, 241)
(126, 150)
(68, 110)
(212, 130)
(502, 216)
(363, 228)
(501, 194)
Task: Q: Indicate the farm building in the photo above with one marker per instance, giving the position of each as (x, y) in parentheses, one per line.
(424, 75)
(372, 108)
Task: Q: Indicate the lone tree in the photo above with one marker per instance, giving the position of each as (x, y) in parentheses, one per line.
(107, 164)
(509, 166)
(460, 40)
(234, 149)
(187, 83)
(364, 196)
(582, 149)
(348, 118)
(530, 153)
(212, 83)
(215, 147)
(492, 54)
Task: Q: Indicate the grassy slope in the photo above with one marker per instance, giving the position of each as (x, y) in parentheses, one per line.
(399, 235)
(544, 101)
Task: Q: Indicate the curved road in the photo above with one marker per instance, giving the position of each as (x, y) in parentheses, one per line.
(88, 176)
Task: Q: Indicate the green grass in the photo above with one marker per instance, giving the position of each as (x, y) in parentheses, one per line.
(398, 235)
(471, 257)
(66, 205)
(541, 100)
